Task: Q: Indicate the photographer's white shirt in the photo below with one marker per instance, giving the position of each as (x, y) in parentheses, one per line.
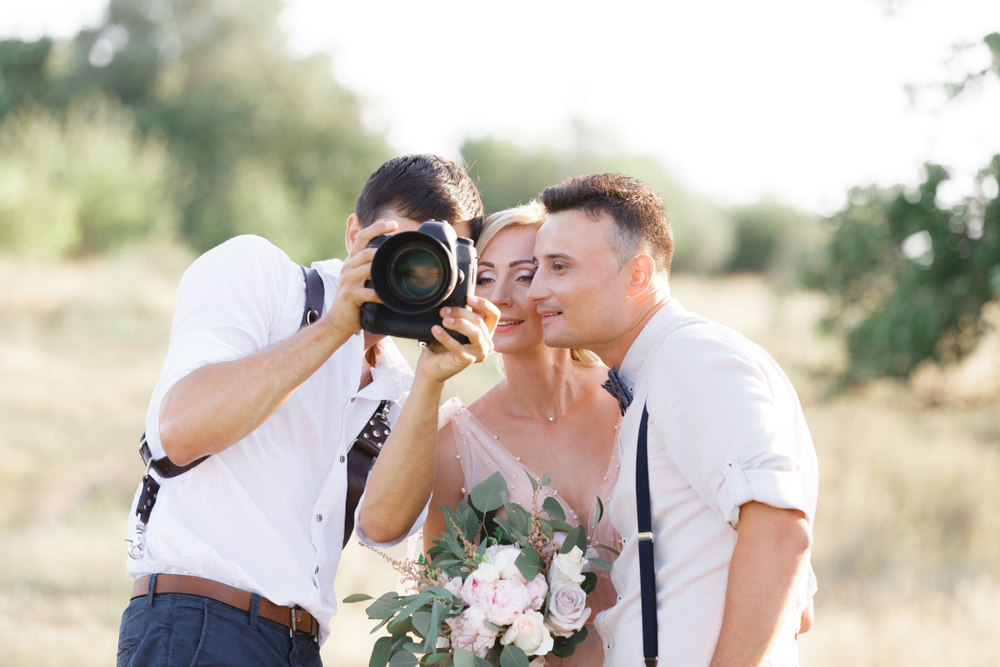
(267, 514)
(725, 428)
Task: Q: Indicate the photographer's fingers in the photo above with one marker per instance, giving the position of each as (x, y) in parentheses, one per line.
(368, 233)
(446, 341)
(485, 309)
(472, 326)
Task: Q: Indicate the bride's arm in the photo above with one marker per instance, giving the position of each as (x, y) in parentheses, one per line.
(448, 480)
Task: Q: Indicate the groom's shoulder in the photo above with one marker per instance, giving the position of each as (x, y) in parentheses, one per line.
(690, 342)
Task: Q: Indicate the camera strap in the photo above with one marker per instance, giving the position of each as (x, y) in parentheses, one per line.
(360, 458)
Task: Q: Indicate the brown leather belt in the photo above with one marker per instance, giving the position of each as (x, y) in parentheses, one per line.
(295, 619)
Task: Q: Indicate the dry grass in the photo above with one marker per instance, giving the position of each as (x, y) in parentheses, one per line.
(907, 535)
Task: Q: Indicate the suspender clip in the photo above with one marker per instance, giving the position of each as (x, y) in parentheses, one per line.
(645, 537)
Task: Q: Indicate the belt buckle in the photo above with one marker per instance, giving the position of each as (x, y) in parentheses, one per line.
(294, 626)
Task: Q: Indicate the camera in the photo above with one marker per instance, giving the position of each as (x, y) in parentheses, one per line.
(416, 273)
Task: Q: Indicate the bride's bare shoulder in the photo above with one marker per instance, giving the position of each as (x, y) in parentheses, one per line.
(487, 407)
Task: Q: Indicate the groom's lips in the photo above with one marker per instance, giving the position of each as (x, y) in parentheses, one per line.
(548, 313)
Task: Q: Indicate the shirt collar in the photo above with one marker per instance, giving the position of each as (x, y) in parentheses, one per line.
(647, 340)
(391, 376)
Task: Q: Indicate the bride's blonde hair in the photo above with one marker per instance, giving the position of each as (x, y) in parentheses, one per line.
(532, 214)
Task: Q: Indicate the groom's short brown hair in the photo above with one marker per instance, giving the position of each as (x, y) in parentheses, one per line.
(640, 218)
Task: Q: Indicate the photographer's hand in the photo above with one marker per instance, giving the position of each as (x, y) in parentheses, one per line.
(448, 357)
(345, 312)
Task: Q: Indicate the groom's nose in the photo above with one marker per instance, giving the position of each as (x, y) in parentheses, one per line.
(538, 291)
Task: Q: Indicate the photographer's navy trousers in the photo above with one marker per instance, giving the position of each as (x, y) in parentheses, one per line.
(175, 630)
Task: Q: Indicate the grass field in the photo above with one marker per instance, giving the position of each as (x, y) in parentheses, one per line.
(907, 546)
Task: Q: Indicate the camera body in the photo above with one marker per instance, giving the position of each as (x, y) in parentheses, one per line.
(415, 274)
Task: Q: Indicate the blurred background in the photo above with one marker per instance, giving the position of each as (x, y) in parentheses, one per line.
(831, 173)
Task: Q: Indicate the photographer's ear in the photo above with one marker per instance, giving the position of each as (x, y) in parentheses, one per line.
(353, 229)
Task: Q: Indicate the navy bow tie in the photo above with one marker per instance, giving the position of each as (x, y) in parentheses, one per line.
(617, 388)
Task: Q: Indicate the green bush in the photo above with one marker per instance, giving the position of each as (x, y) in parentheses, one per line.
(81, 182)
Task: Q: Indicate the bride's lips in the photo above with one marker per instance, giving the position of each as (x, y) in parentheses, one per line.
(507, 324)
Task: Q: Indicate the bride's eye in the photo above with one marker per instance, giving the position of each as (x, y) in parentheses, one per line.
(484, 281)
(525, 278)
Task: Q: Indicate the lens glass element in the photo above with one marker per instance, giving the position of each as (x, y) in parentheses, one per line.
(416, 273)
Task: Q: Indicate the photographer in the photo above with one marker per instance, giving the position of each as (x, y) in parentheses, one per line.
(236, 563)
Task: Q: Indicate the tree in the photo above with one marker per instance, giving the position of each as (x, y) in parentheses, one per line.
(909, 278)
(273, 144)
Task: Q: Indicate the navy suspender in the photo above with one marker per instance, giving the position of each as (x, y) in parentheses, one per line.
(647, 571)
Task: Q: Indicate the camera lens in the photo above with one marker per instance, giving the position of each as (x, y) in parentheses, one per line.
(416, 273)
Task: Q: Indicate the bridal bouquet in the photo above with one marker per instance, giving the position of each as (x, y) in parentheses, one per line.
(518, 596)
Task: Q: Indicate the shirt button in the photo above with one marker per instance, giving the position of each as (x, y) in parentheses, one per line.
(342, 458)
(319, 517)
(352, 398)
(317, 570)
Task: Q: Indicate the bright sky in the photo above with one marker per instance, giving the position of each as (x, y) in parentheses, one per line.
(799, 100)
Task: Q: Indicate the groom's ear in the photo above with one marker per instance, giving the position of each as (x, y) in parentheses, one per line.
(642, 271)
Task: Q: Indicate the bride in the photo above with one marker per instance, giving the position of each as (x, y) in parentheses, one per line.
(548, 415)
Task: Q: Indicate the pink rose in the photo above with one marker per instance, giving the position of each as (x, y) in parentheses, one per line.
(568, 609)
(529, 634)
(504, 600)
(503, 557)
(468, 631)
(484, 574)
(538, 588)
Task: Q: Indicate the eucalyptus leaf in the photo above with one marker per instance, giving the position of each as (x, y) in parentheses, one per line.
(381, 652)
(494, 626)
(433, 627)
(490, 494)
(383, 607)
(464, 657)
(589, 582)
(600, 512)
(545, 480)
(561, 526)
(601, 563)
(421, 623)
(483, 662)
(577, 637)
(575, 538)
(357, 597)
(401, 624)
(403, 658)
(554, 508)
(513, 656)
(529, 564)
(531, 478)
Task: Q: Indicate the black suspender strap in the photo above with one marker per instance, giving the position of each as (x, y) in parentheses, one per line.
(647, 571)
(314, 296)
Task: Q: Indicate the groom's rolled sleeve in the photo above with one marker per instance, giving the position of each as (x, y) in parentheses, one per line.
(725, 426)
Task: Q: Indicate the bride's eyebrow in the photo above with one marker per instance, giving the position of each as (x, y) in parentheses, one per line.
(521, 261)
(489, 264)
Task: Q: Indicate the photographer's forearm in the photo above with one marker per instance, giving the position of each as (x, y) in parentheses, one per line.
(216, 405)
(403, 476)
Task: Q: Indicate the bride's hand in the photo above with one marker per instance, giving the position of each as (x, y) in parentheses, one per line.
(447, 357)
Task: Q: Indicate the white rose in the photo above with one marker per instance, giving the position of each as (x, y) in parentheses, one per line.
(568, 609)
(503, 557)
(486, 573)
(567, 567)
(538, 662)
(529, 634)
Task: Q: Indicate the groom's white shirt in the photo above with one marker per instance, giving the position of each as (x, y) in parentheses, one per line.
(725, 428)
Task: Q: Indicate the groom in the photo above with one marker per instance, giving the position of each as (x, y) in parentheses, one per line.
(732, 469)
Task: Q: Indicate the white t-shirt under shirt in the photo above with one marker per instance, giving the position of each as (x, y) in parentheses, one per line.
(725, 428)
(265, 515)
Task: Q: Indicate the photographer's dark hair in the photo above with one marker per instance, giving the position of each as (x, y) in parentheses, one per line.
(421, 187)
(640, 218)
